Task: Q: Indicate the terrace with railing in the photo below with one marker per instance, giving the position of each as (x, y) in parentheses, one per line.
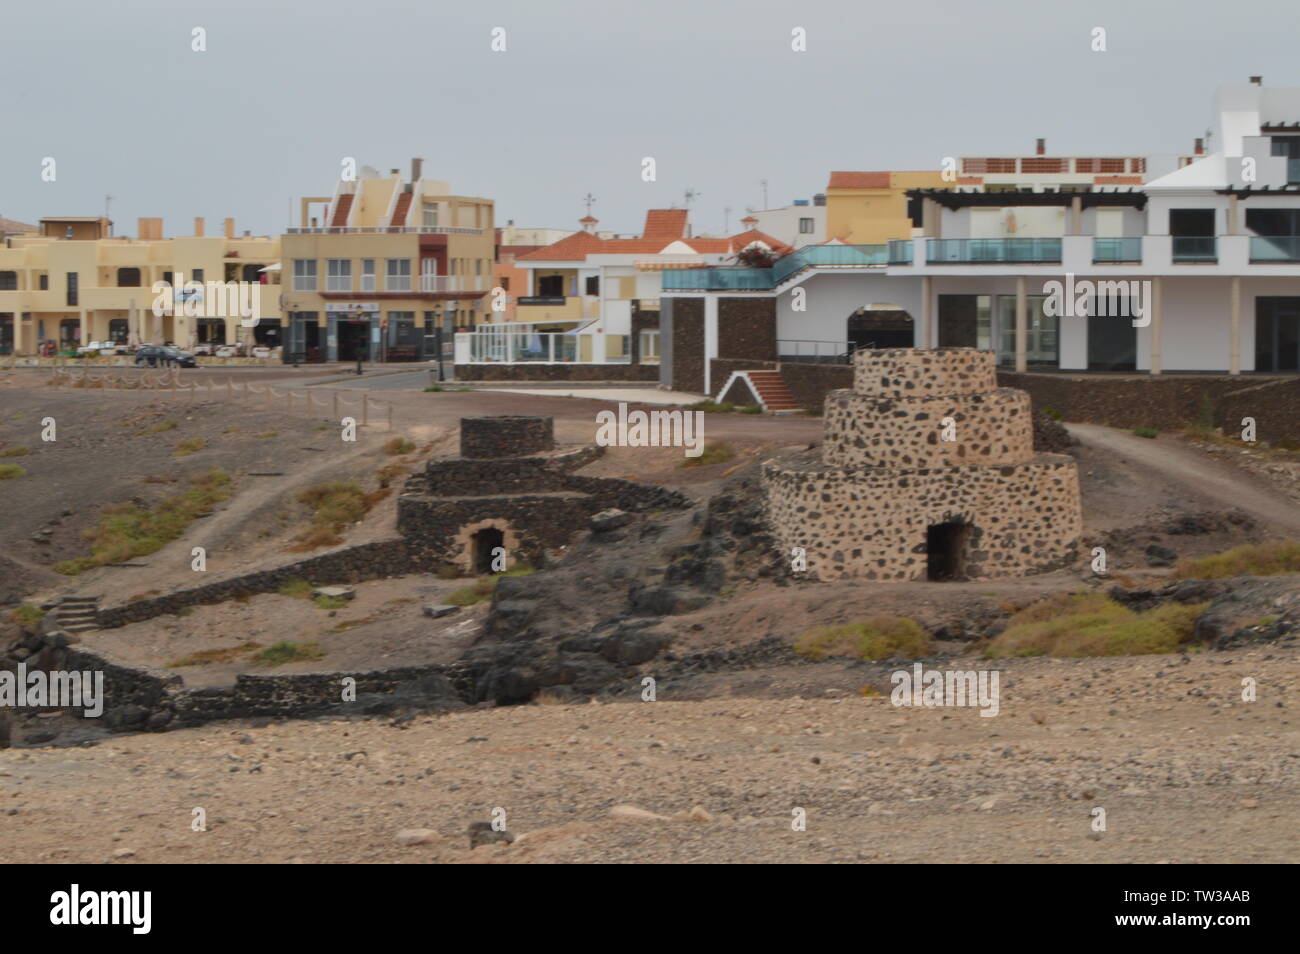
(979, 251)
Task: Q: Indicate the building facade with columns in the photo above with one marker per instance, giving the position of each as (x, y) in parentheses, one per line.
(73, 282)
(1195, 270)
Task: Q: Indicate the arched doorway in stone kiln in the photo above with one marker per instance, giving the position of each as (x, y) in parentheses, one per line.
(947, 546)
(485, 545)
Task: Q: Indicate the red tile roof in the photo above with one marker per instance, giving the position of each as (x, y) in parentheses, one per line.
(665, 223)
(663, 228)
(859, 180)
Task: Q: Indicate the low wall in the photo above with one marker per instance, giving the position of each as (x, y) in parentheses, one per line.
(369, 561)
(148, 700)
(1169, 402)
(557, 372)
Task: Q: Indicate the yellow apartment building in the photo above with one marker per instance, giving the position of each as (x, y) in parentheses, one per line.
(73, 282)
(870, 208)
(385, 268)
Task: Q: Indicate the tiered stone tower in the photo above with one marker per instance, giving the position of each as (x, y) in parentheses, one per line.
(895, 499)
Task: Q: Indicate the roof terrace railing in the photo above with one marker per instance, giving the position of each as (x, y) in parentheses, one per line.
(978, 251)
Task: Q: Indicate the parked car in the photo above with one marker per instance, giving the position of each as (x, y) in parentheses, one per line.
(164, 356)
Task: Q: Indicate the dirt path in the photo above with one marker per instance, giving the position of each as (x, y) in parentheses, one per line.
(1219, 485)
(1185, 771)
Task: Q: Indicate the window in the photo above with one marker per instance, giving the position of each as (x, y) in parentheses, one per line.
(72, 288)
(367, 274)
(304, 274)
(431, 216)
(399, 274)
(44, 282)
(807, 226)
(593, 284)
(338, 275)
(8, 281)
(128, 278)
(198, 275)
(550, 286)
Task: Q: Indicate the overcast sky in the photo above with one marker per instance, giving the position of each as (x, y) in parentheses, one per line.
(712, 90)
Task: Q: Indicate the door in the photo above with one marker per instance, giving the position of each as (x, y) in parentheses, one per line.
(1277, 334)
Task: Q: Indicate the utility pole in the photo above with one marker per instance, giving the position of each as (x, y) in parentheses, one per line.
(763, 183)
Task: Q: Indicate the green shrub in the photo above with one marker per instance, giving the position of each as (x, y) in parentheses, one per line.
(27, 613)
(715, 452)
(10, 471)
(398, 445)
(712, 407)
(16, 451)
(330, 602)
(1256, 559)
(876, 637)
(125, 531)
(751, 409)
(1092, 624)
(191, 446)
(1145, 431)
(297, 588)
(284, 651)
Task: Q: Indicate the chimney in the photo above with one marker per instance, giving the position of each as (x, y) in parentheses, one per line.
(417, 167)
(149, 229)
(1040, 147)
(313, 221)
(394, 172)
(248, 233)
(1257, 81)
(589, 224)
(230, 228)
(198, 227)
(1199, 148)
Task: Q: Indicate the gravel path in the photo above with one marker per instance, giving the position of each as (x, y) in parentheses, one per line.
(1185, 771)
(1220, 485)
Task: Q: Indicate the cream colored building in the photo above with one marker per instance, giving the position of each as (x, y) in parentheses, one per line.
(73, 283)
(380, 267)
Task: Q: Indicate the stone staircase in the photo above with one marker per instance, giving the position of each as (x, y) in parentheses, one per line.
(77, 614)
(767, 387)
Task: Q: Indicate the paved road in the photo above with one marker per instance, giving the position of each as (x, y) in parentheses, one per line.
(1201, 475)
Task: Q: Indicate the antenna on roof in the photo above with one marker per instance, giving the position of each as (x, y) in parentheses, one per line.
(726, 219)
(590, 200)
(691, 195)
(763, 183)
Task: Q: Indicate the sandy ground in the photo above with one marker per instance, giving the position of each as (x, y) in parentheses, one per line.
(1185, 771)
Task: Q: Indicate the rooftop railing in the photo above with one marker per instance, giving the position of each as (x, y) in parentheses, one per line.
(1116, 250)
(978, 251)
(1274, 248)
(1195, 248)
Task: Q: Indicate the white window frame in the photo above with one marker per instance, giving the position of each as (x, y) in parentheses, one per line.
(368, 274)
(304, 274)
(397, 275)
(338, 274)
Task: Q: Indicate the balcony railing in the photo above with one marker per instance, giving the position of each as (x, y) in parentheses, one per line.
(1116, 250)
(765, 279)
(807, 351)
(1195, 248)
(900, 252)
(717, 279)
(1275, 248)
(552, 300)
(453, 283)
(978, 251)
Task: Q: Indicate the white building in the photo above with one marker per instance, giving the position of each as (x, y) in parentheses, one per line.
(1207, 256)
